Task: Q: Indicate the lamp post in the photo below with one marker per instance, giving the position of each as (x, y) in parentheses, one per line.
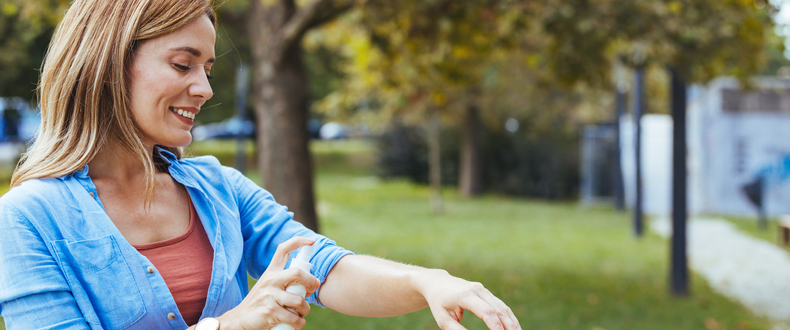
(638, 110)
(639, 59)
(679, 266)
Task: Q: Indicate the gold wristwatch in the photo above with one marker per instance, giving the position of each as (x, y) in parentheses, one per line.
(208, 323)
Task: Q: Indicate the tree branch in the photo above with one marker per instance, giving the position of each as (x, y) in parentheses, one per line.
(288, 4)
(314, 14)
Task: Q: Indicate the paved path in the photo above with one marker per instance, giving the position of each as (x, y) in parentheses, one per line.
(749, 270)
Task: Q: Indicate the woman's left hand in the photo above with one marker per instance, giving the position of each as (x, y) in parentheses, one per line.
(449, 296)
(372, 287)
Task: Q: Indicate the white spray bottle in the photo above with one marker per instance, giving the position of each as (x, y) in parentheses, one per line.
(301, 261)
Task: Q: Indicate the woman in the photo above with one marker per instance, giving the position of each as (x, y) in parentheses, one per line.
(107, 227)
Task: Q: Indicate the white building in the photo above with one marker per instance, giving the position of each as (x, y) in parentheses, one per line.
(734, 137)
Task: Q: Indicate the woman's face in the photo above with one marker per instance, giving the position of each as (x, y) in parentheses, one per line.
(168, 82)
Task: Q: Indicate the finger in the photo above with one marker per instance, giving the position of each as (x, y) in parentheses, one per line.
(313, 287)
(504, 312)
(294, 303)
(282, 315)
(285, 278)
(292, 276)
(280, 257)
(310, 282)
(483, 310)
(448, 319)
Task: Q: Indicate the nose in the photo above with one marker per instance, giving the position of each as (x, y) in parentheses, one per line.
(200, 87)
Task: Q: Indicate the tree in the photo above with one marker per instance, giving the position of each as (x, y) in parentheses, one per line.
(702, 39)
(419, 61)
(280, 92)
(415, 56)
(25, 30)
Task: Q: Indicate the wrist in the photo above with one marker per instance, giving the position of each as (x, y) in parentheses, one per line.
(228, 322)
(424, 280)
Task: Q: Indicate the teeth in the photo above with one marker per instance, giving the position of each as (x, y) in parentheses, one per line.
(183, 113)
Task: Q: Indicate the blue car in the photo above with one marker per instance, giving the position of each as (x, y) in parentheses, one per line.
(227, 129)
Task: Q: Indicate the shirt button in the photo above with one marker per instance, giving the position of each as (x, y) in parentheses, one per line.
(171, 316)
(92, 195)
(150, 269)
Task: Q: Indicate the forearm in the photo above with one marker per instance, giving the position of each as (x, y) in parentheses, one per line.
(366, 286)
(372, 287)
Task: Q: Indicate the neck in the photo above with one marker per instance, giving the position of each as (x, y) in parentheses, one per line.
(114, 162)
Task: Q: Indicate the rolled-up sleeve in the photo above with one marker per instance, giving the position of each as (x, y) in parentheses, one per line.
(34, 293)
(265, 224)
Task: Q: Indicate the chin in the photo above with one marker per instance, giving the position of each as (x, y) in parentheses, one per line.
(181, 142)
(184, 144)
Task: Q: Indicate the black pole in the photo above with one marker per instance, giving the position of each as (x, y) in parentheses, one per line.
(619, 190)
(639, 96)
(679, 271)
(241, 114)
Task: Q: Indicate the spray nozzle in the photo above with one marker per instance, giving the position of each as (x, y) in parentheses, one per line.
(302, 259)
(304, 253)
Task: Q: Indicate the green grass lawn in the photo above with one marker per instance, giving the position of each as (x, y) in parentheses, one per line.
(558, 265)
(751, 227)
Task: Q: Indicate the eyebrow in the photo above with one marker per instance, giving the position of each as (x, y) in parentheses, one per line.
(192, 51)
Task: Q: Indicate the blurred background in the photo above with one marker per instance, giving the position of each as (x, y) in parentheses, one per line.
(527, 145)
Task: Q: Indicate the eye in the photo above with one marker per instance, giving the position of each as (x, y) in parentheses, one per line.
(182, 68)
(209, 76)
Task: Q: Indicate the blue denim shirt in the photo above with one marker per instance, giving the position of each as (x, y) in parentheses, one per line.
(64, 264)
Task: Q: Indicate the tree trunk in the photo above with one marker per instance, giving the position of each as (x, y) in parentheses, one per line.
(471, 174)
(280, 101)
(435, 161)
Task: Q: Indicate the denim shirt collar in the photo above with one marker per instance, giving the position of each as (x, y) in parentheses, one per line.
(176, 168)
(166, 155)
(83, 173)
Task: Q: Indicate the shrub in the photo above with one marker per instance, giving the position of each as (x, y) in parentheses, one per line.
(513, 163)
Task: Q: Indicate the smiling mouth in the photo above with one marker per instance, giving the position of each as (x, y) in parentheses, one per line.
(183, 113)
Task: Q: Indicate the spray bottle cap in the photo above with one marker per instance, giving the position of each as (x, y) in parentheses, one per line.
(302, 259)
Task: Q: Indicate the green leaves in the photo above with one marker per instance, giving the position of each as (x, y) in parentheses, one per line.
(407, 56)
(403, 57)
(703, 38)
(25, 29)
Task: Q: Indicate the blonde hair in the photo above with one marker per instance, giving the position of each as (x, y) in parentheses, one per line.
(82, 92)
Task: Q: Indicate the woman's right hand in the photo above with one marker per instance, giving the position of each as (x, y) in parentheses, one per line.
(265, 305)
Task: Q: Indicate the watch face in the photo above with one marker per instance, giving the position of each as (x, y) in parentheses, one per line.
(208, 323)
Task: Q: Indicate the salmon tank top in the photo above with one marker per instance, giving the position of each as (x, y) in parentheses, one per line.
(185, 263)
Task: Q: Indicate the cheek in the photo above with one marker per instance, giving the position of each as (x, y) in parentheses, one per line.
(150, 89)
(142, 99)
(137, 85)
(145, 83)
